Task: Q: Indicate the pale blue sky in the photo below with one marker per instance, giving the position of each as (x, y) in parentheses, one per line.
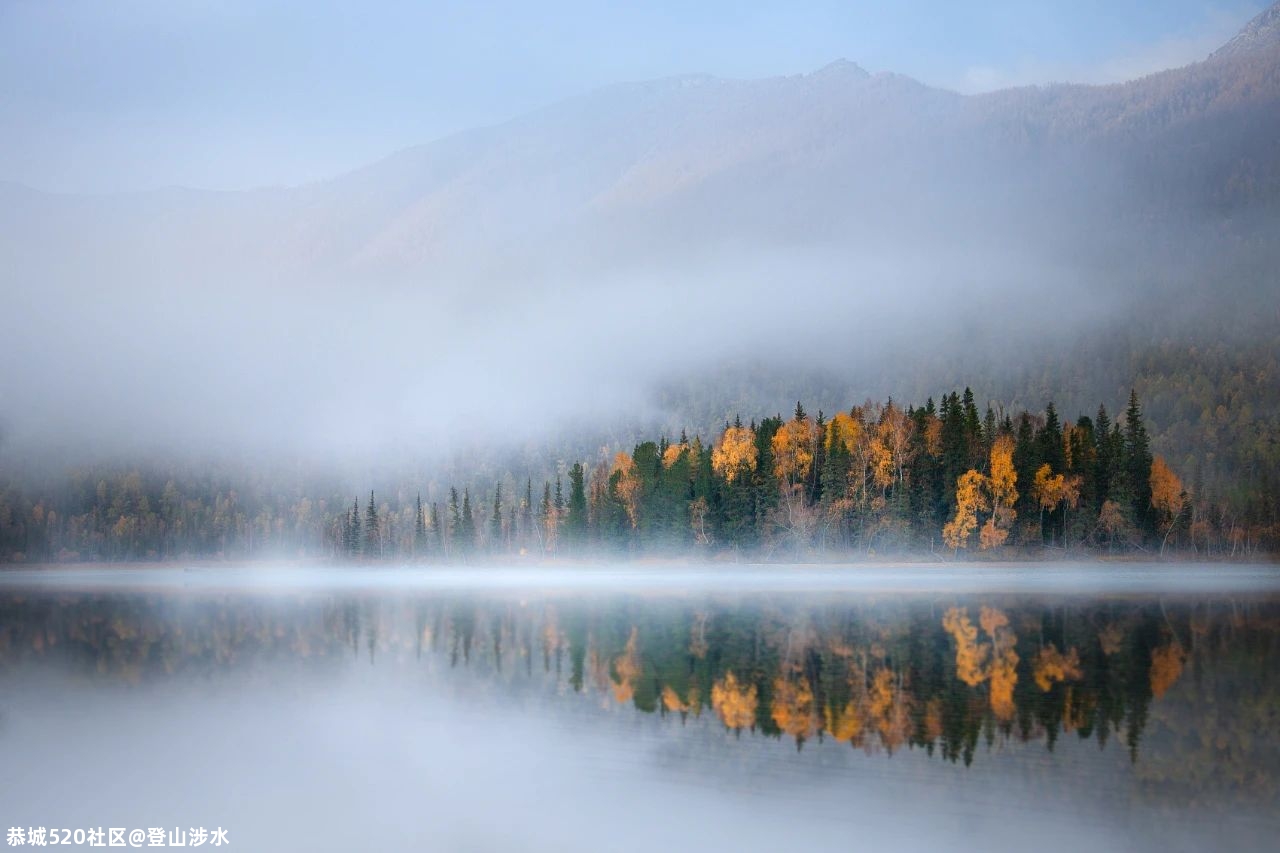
(134, 94)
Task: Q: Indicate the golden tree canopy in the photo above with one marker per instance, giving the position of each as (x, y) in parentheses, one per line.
(793, 446)
(736, 451)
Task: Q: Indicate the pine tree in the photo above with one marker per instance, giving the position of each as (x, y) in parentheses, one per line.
(419, 528)
(1026, 461)
(495, 523)
(576, 520)
(455, 518)
(1105, 466)
(353, 529)
(1050, 441)
(1137, 465)
(819, 460)
(372, 533)
(468, 533)
(526, 511)
(977, 458)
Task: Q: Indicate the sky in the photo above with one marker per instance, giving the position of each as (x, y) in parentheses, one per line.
(226, 94)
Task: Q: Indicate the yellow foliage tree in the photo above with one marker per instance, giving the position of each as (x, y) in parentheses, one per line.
(1167, 496)
(971, 656)
(793, 446)
(971, 498)
(792, 708)
(628, 485)
(1166, 668)
(845, 431)
(626, 668)
(671, 455)
(1002, 485)
(735, 703)
(735, 452)
(1051, 666)
(993, 661)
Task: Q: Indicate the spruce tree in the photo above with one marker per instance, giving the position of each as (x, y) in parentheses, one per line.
(455, 518)
(353, 529)
(372, 535)
(548, 508)
(527, 512)
(1105, 464)
(495, 523)
(819, 459)
(468, 537)
(576, 521)
(1026, 461)
(1137, 465)
(419, 528)
(1050, 441)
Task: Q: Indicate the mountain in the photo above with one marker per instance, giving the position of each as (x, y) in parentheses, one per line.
(903, 236)
(698, 161)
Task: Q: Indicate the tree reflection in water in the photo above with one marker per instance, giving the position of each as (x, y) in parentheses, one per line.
(1187, 688)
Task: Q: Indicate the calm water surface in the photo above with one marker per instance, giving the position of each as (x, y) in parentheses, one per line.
(487, 710)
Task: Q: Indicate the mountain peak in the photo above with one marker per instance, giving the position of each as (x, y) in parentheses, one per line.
(843, 67)
(1262, 33)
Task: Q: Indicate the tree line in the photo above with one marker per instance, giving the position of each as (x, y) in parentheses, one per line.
(940, 478)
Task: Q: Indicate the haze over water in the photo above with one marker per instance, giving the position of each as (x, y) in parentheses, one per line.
(630, 708)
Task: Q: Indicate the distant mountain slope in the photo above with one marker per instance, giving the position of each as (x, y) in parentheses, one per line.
(585, 253)
(699, 159)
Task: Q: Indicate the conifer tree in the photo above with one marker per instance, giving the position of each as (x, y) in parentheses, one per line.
(419, 528)
(468, 533)
(576, 520)
(372, 533)
(456, 532)
(1137, 465)
(353, 529)
(495, 523)
(526, 511)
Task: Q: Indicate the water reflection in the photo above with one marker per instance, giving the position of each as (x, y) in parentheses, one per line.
(1186, 689)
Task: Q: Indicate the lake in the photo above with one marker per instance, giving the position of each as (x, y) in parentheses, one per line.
(1116, 707)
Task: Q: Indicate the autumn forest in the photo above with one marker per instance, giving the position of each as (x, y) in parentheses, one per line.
(943, 479)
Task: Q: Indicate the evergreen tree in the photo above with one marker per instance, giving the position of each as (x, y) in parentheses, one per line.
(1026, 461)
(1049, 440)
(495, 523)
(576, 520)
(955, 448)
(468, 529)
(1105, 467)
(456, 533)
(977, 458)
(372, 531)
(548, 517)
(419, 528)
(1137, 466)
(819, 460)
(353, 529)
(527, 511)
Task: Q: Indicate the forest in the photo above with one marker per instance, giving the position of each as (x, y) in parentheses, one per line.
(939, 479)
